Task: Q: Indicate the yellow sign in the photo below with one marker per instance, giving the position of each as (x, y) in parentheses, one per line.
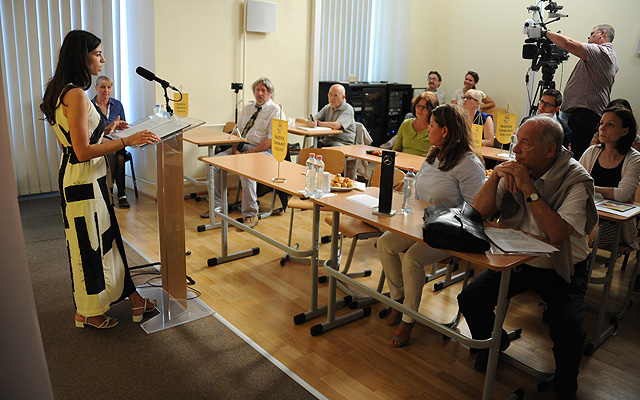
(181, 107)
(279, 140)
(476, 134)
(506, 124)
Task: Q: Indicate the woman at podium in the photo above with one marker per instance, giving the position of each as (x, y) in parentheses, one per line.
(99, 272)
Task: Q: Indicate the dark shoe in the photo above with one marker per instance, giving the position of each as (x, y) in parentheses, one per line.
(205, 214)
(483, 355)
(401, 341)
(122, 202)
(636, 286)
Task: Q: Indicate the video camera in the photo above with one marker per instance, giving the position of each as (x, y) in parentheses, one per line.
(541, 50)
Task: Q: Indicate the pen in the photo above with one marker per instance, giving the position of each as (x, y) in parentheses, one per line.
(312, 118)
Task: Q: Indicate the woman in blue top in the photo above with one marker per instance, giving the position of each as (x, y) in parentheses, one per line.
(111, 111)
(471, 103)
(451, 174)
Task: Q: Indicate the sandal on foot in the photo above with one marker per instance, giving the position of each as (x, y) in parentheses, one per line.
(394, 319)
(108, 322)
(138, 317)
(397, 341)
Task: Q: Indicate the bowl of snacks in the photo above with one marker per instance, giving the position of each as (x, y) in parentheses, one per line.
(341, 184)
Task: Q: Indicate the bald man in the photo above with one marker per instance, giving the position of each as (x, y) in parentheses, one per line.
(338, 114)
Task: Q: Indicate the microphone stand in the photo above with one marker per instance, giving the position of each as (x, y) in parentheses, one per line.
(166, 99)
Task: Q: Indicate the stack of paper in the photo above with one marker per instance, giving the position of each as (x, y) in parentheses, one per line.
(517, 242)
(617, 208)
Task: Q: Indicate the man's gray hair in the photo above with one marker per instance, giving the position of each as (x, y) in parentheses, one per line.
(267, 83)
(551, 131)
(608, 30)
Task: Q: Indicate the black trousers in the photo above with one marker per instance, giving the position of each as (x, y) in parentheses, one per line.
(583, 124)
(565, 305)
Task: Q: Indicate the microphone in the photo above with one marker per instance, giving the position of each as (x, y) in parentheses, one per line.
(150, 76)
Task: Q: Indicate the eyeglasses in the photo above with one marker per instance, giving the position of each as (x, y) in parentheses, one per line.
(421, 107)
(545, 104)
(468, 98)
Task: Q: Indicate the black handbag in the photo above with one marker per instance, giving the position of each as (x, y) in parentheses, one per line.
(458, 229)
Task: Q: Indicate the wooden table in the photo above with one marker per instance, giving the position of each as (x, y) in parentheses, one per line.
(313, 134)
(494, 153)
(359, 151)
(601, 334)
(410, 226)
(209, 137)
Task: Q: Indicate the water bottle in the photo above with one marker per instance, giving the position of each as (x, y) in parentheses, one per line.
(161, 111)
(514, 140)
(408, 191)
(317, 181)
(308, 177)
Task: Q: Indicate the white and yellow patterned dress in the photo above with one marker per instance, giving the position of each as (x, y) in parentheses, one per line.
(94, 244)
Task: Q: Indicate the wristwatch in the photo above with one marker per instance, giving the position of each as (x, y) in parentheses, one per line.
(534, 197)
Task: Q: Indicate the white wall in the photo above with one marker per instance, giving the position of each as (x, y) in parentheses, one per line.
(199, 45)
(459, 35)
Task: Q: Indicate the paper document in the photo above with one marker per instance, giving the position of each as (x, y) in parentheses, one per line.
(617, 208)
(158, 125)
(502, 155)
(317, 128)
(515, 241)
(365, 200)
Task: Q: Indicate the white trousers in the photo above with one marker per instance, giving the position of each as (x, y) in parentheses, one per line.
(249, 206)
(406, 277)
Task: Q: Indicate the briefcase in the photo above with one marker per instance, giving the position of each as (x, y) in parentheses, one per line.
(458, 229)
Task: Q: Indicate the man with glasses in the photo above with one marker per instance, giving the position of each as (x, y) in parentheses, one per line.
(550, 103)
(434, 81)
(589, 86)
(338, 114)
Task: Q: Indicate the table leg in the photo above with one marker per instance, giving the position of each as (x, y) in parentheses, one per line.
(224, 237)
(600, 334)
(210, 190)
(494, 349)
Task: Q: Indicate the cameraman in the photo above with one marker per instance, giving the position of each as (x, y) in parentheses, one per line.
(589, 86)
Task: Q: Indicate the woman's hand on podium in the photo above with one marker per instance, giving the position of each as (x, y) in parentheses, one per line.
(142, 137)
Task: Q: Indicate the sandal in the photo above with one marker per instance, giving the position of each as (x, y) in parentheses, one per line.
(108, 322)
(138, 317)
(397, 341)
(394, 317)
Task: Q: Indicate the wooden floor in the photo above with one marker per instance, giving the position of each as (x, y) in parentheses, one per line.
(260, 298)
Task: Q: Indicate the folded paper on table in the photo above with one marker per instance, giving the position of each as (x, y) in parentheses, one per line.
(515, 241)
(317, 128)
(365, 200)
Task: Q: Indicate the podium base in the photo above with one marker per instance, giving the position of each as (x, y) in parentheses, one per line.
(178, 315)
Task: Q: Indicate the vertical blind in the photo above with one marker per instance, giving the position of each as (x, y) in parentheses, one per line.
(31, 35)
(365, 38)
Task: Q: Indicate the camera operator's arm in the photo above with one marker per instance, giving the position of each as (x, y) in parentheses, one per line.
(572, 46)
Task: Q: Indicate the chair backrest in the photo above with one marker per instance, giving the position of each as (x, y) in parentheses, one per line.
(333, 159)
(362, 135)
(228, 127)
(374, 181)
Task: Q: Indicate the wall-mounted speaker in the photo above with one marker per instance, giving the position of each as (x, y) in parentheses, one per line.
(261, 16)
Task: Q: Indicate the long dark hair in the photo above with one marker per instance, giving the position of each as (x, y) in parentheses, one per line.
(628, 121)
(72, 68)
(457, 142)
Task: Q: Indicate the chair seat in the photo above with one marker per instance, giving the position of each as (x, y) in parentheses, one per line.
(350, 227)
(296, 202)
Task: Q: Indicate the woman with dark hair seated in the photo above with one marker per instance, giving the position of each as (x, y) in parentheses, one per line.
(471, 79)
(451, 174)
(413, 135)
(615, 167)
